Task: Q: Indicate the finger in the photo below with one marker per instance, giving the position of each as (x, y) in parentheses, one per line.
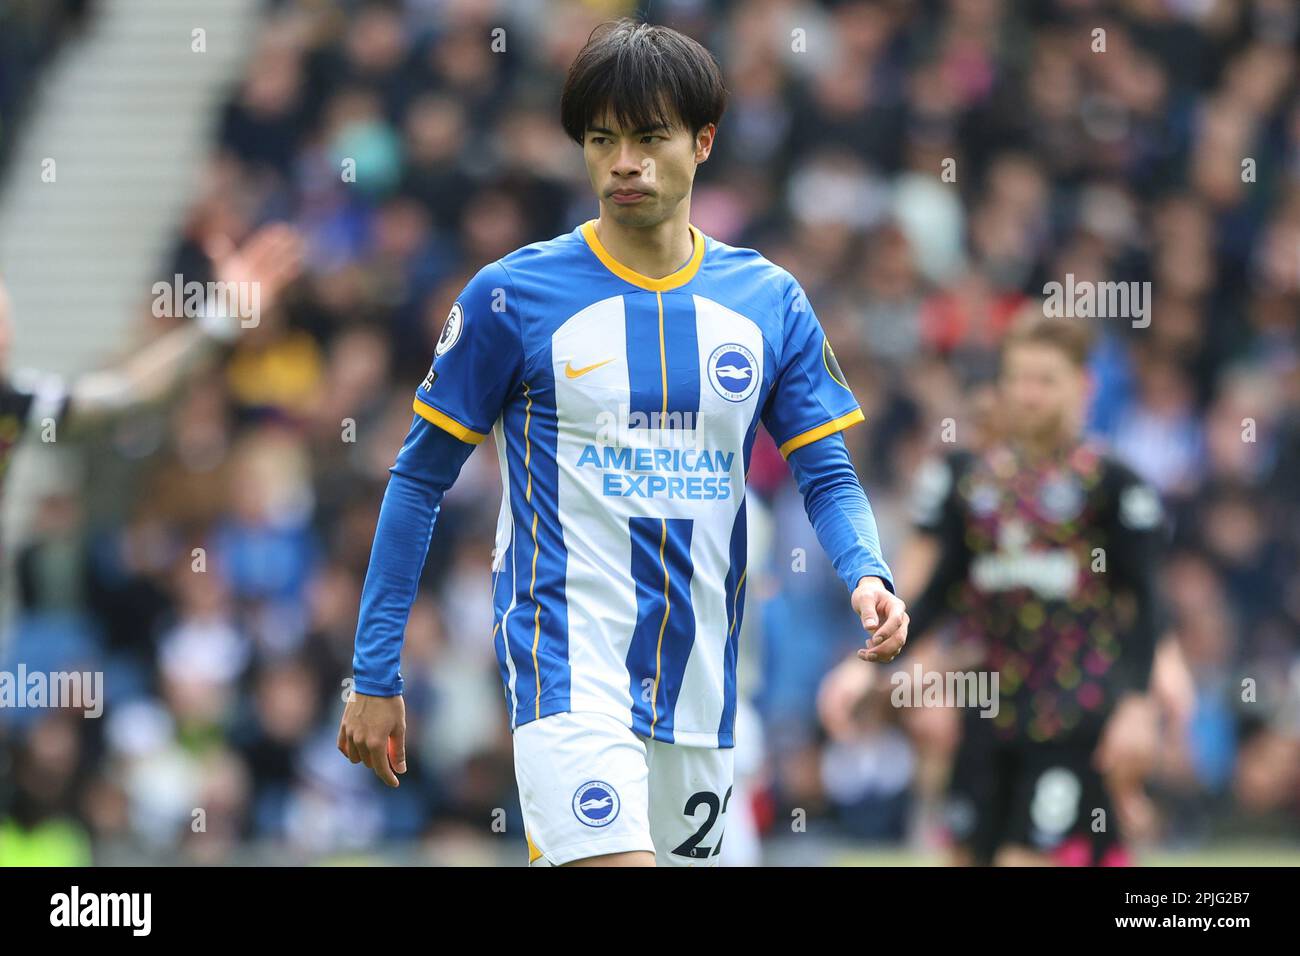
(895, 615)
(883, 653)
(889, 651)
(893, 620)
(888, 629)
(869, 616)
(397, 749)
(342, 742)
(379, 757)
(902, 632)
(354, 754)
(366, 747)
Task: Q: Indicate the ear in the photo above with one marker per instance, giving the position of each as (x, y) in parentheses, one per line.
(704, 142)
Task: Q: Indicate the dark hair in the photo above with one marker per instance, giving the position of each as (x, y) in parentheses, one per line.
(642, 73)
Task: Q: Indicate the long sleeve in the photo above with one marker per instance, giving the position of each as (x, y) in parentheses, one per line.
(1135, 538)
(937, 511)
(933, 604)
(839, 511)
(426, 466)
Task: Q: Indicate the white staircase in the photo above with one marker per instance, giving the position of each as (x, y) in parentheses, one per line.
(126, 111)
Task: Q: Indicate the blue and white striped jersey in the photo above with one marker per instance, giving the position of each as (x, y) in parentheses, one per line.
(624, 410)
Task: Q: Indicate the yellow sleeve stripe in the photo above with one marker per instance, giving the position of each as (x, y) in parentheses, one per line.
(821, 431)
(447, 423)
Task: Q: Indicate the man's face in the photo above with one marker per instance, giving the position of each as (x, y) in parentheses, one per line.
(641, 176)
(1043, 391)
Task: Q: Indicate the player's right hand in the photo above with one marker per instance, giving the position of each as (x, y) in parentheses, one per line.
(883, 613)
(373, 732)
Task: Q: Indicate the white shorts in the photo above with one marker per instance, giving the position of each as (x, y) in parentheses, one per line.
(589, 785)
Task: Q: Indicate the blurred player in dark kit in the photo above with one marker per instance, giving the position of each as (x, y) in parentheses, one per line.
(1043, 551)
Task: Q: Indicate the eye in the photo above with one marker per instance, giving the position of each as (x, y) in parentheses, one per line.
(599, 140)
(650, 137)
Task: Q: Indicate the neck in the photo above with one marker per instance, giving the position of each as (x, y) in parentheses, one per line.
(654, 251)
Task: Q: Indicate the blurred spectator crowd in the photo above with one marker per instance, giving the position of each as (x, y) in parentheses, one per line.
(226, 666)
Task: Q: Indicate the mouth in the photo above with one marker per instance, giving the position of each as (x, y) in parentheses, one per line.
(627, 196)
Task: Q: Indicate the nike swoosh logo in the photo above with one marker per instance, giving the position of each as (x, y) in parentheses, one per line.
(571, 372)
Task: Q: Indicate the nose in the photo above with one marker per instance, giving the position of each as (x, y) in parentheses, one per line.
(628, 161)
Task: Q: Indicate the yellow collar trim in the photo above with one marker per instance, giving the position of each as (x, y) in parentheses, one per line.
(679, 278)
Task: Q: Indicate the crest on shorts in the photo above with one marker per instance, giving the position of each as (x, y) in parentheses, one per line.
(595, 804)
